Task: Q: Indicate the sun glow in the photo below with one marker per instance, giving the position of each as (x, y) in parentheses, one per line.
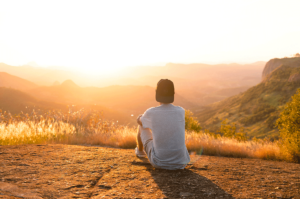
(103, 36)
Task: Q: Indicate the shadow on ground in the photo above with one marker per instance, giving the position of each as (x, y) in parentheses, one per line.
(183, 183)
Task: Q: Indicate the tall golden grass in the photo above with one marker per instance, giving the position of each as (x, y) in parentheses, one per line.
(92, 129)
(229, 147)
(67, 128)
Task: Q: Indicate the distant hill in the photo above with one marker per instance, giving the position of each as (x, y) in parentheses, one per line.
(16, 101)
(257, 108)
(144, 75)
(41, 75)
(10, 81)
(196, 82)
(196, 70)
(56, 83)
(193, 75)
(127, 99)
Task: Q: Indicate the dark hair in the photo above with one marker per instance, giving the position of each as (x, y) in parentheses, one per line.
(165, 91)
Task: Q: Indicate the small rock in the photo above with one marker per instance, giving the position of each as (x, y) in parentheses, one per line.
(184, 194)
(278, 195)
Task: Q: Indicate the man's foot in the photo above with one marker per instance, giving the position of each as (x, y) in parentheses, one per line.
(140, 154)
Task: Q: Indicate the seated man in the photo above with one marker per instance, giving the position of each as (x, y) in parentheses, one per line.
(161, 132)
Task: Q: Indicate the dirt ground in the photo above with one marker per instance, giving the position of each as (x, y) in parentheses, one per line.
(69, 171)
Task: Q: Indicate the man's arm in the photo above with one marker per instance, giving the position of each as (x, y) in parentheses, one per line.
(138, 120)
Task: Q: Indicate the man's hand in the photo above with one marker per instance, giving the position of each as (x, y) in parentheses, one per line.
(138, 120)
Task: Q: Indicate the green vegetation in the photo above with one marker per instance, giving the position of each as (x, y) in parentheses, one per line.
(191, 123)
(258, 108)
(289, 127)
(230, 131)
(261, 112)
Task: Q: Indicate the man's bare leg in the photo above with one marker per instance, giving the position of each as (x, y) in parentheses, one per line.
(139, 140)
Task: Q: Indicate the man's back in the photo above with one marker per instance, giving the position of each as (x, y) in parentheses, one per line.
(167, 123)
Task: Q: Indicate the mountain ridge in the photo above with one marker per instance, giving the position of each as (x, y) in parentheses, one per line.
(272, 64)
(69, 84)
(258, 108)
(131, 99)
(11, 81)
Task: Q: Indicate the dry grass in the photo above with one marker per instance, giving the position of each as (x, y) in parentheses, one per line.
(124, 137)
(67, 128)
(228, 147)
(92, 129)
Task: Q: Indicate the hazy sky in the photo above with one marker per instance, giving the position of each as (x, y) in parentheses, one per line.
(104, 35)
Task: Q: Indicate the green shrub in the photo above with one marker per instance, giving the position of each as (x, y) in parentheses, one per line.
(229, 131)
(241, 135)
(191, 122)
(289, 127)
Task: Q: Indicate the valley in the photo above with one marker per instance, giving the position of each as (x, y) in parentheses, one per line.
(122, 98)
(249, 96)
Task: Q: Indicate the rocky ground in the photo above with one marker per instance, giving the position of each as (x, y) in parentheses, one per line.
(67, 171)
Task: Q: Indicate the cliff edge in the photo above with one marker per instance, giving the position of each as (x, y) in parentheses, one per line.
(275, 63)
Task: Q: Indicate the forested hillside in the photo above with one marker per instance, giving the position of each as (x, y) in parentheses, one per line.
(258, 108)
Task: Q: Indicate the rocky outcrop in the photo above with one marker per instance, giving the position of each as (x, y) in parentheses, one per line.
(270, 66)
(294, 77)
(275, 63)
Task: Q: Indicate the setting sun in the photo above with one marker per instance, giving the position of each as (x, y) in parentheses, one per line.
(104, 36)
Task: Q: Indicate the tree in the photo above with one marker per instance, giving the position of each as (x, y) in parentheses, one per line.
(229, 130)
(289, 128)
(241, 135)
(191, 122)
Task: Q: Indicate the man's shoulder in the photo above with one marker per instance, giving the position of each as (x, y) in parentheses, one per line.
(152, 110)
(149, 110)
(170, 108)
(179, 108)
(160, 108)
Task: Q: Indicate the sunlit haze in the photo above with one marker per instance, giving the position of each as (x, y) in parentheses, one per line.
(111, 94)
(103, 36)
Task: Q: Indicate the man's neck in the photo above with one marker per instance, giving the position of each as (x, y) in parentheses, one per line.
(160, 103)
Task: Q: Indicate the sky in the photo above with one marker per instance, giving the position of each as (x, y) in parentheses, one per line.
(99, 36)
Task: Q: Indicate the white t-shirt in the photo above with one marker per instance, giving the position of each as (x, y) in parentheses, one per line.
(167, 123)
